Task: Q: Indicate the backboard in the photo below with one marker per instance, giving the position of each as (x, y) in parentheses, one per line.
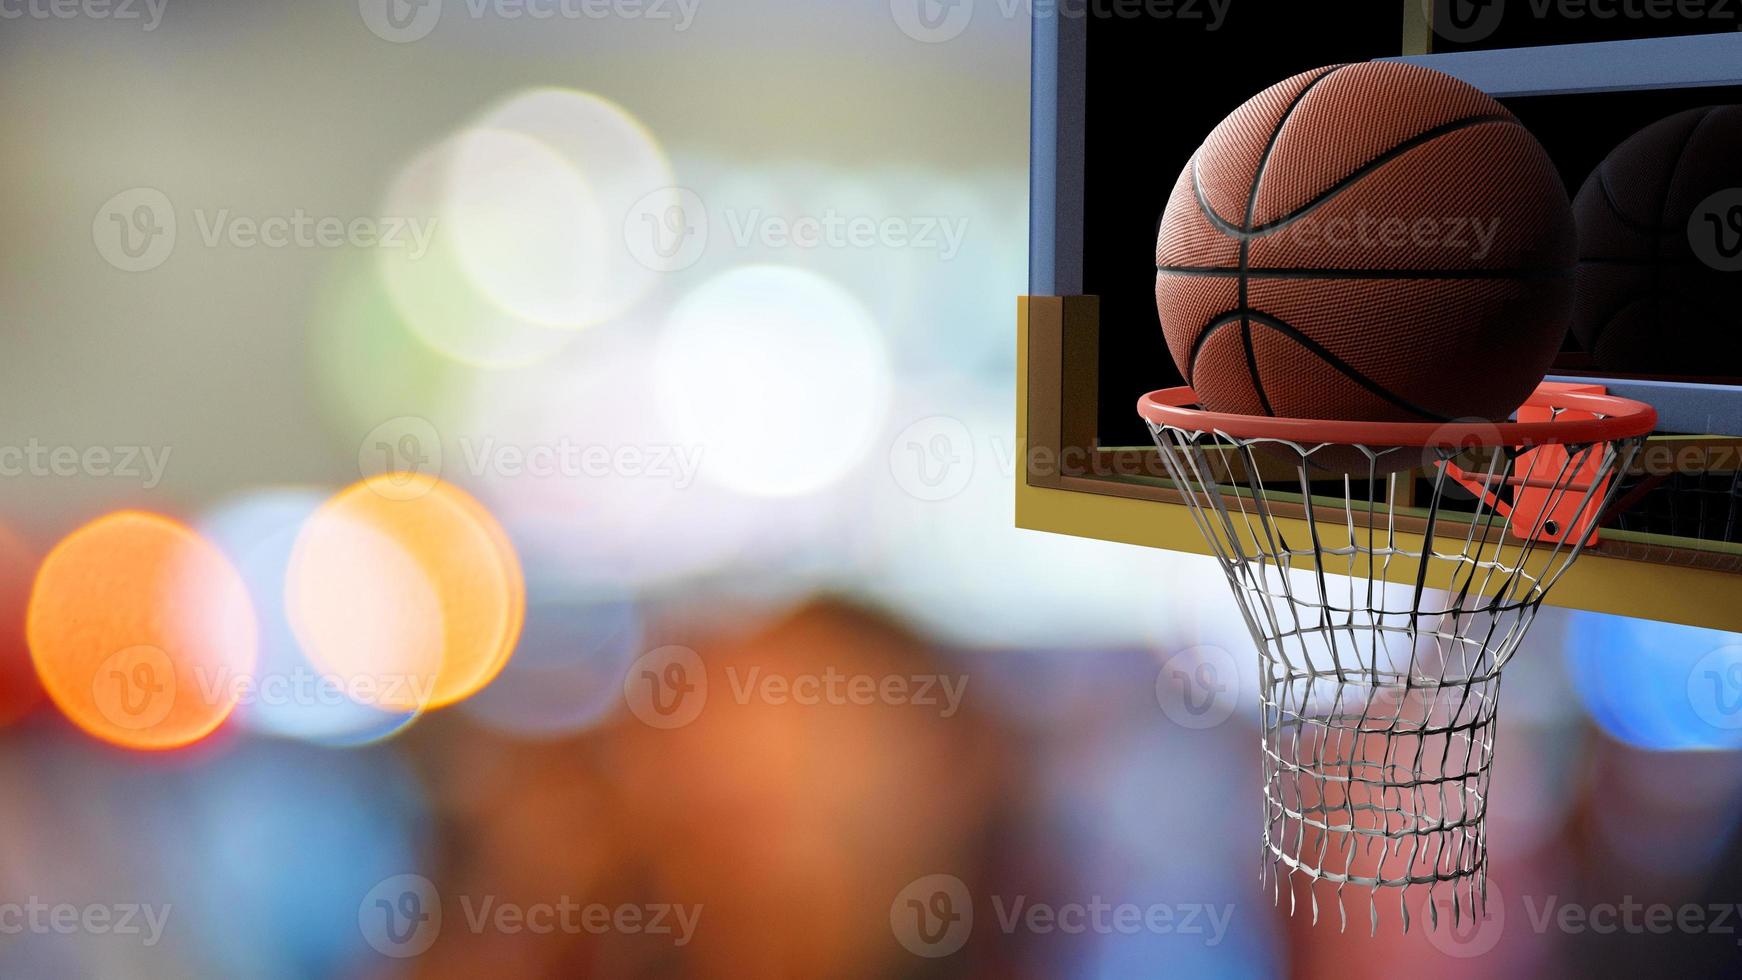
(1120, 104)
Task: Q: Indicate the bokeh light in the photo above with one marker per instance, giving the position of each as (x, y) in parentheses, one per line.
(430, 290)
(142, 633)
(289, 696)
(369, 367)
(779, 374)
(541, 193)
(413, 600)
(1657, 685)
(627, 509)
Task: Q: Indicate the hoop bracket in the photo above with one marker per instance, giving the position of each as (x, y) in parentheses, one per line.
(1547, 509)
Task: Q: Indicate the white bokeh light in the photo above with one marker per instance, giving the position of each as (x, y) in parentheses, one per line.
(541, 196)
(779, 374)
(431, 290)
(619, 520)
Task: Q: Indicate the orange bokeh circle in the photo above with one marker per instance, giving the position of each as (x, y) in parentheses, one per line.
(141, 632)
(409, 600)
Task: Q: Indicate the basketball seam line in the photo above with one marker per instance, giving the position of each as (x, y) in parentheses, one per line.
(1312, 346)
(1663, 212)
(1681, 161)
(1270, 144)
(1627, 221)
(1224, 272)
(1246, 222)
(1468, 122)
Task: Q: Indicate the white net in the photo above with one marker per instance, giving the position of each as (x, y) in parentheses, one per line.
(1386, 588)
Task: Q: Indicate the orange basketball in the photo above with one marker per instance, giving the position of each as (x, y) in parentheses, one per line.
(1376, 242)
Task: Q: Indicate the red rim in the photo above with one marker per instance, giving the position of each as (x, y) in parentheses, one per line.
(1598, 418)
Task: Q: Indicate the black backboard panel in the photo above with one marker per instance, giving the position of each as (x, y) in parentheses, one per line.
(1156, 87)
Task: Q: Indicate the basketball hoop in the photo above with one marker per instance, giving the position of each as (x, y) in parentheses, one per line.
(1379, 699)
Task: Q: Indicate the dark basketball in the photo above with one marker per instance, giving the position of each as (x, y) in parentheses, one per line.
(1377, 242)
(1660, 243)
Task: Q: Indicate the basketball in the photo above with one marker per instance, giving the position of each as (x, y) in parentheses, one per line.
(1373, 242)
(1660, 240)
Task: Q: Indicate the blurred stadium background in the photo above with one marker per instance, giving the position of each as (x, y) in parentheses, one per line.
(464, 466)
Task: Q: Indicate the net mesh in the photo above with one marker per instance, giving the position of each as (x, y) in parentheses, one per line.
(1379, 699)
